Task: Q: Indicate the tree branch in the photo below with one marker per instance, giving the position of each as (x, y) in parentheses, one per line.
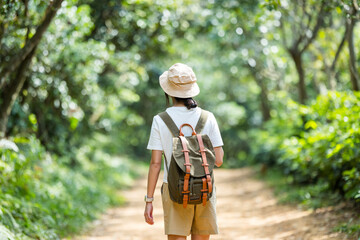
(16, 60)
(354, 75)
(282, 28)
(11, 92)
(339, 49)
(318, 25)
(355, 5)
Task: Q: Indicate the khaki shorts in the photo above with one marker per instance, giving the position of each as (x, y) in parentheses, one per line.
(194, 219)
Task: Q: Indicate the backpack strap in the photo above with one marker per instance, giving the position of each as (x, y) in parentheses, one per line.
(204, 190)
(187, 164)
(173, 129)
(202, 120)
(205, 163)
(207, 184)
(170, 123)
(166, 163)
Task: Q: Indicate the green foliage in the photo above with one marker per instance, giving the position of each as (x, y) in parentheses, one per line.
(316, 143)
(309, 196)
(42, 198)
(350, 228)
(271, 4)
(92, 91)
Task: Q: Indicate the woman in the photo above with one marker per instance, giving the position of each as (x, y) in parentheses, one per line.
(179, 82)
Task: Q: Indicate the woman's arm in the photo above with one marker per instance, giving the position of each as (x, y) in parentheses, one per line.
(154, 170)
(219, 155)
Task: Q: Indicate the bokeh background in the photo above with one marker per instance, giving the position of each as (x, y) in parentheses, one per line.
(79, 88)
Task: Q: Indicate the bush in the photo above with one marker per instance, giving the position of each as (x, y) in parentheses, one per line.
(43, 197)
(316, 143)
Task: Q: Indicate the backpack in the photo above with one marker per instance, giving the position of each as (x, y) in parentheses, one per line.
(190, 175)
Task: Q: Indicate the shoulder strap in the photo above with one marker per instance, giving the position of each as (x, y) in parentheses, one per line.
(166, 163)
(202, 120)
(170, 123)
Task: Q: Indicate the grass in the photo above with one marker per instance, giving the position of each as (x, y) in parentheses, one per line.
(351, 228)
(308, 197)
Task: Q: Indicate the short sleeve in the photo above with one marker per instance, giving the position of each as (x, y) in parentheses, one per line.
(214, 134)
(154, 140)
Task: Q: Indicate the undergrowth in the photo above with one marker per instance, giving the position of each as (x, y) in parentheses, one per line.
(42, 196)
(352, 228)
(309, 196)
(312, 196)
(312, 151)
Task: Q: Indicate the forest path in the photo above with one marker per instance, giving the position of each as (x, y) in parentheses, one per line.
(246, 208)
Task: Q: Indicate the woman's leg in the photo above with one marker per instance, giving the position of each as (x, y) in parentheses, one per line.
(199, 237)
(176, 237)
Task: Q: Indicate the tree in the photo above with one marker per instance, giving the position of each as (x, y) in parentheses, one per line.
(302, 20)
(17, 66)
(352, 19)
(246, 41)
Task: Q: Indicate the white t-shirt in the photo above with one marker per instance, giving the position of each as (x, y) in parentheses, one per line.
(161, 137)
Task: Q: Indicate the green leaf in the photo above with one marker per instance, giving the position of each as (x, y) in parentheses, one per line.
(32, 119)
(311, 124)
(73, 123)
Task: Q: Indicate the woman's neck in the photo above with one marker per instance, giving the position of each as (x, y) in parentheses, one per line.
(177, 104)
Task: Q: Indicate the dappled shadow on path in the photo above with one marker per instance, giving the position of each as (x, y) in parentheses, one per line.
(246, 209)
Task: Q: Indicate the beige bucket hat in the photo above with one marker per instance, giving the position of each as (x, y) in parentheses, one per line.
(179, 81)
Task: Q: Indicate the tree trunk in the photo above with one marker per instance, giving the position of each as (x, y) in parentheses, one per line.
(16, 60)
(264, 100)
(354, 75)
(332, 71)
(11, 91)
(20, 63)
(265, 106)
(297, 58)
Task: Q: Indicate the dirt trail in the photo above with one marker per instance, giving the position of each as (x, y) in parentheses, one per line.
(246, 210)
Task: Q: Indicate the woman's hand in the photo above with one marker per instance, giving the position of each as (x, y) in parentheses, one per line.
(154, 170)
(149, 213)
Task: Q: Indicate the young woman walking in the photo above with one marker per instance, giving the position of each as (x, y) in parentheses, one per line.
(179, 82)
